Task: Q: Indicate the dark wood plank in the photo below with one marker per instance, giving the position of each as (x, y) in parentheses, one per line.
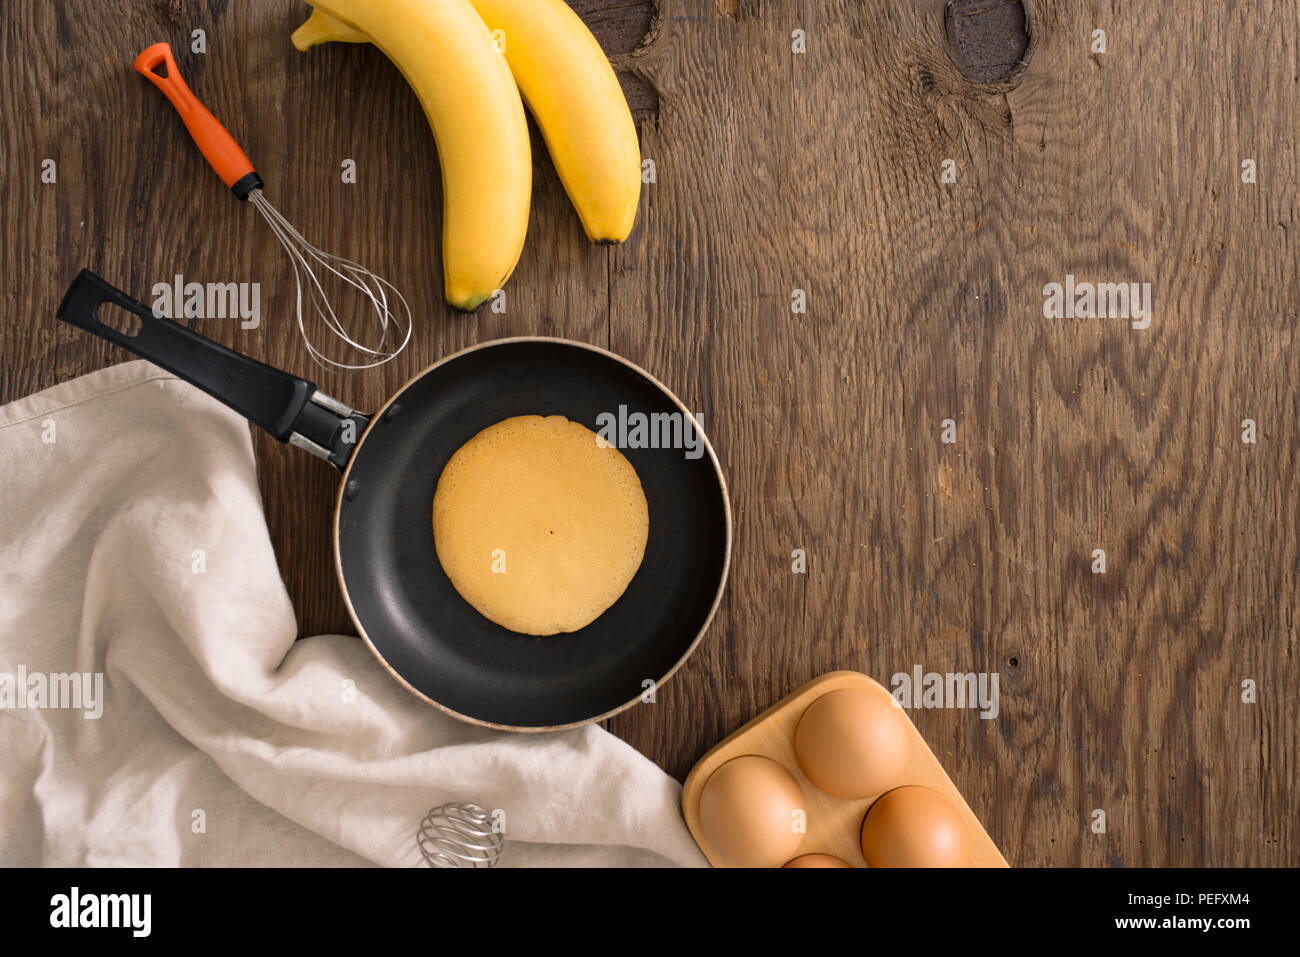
(821, 171)
(28, 252)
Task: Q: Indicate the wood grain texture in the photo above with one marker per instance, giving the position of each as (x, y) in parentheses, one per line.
(820, 171)
(987, 38)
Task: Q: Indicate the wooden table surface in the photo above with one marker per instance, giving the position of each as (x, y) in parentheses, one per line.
(821, 171)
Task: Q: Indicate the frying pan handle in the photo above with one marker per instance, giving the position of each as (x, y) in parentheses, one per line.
(291, 409)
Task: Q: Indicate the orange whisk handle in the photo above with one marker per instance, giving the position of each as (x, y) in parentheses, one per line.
(214, 140)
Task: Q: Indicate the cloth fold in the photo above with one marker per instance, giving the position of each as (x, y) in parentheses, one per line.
(133, 548)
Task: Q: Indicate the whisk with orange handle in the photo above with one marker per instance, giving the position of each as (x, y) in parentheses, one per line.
(229, 161)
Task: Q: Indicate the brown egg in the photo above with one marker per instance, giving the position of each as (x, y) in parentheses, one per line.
(914, 827)
(852, 743)
(748, 812)
(818, 860)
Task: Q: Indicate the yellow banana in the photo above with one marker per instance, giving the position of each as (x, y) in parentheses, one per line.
(574, 96)
(447, 55)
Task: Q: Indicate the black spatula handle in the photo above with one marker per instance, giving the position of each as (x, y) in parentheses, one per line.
(289, 408)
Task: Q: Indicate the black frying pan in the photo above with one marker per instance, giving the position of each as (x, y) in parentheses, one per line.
(401, 601)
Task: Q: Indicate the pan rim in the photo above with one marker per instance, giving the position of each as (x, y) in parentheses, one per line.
(722, 579)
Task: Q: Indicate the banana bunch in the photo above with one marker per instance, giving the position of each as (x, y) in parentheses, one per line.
(469, 62)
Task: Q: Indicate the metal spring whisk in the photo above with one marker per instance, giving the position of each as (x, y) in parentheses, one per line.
(375, 289)
(459, 835)
(225, 156)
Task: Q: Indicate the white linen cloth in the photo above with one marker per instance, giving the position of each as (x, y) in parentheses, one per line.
(132, 544)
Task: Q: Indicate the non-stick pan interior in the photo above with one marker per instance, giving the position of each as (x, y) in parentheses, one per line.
(430, 636)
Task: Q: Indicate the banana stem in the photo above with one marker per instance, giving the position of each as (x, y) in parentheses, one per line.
(320, 27)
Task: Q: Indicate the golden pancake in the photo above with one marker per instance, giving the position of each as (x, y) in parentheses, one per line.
(539, 524)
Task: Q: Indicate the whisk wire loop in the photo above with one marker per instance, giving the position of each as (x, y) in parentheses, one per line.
(459, 835)
(394, 320)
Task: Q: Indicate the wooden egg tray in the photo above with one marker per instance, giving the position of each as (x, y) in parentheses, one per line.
(834, 824)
